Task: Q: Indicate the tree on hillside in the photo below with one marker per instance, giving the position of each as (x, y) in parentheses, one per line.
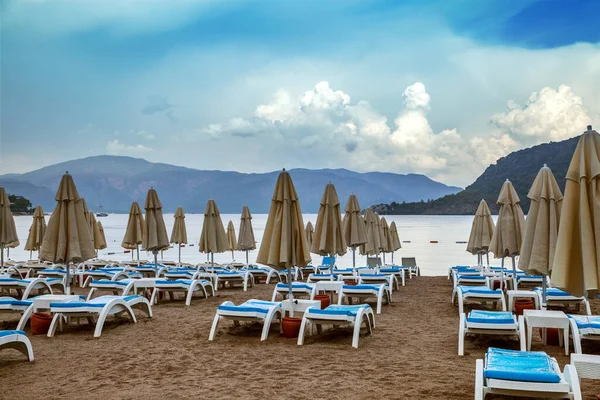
(19, 204)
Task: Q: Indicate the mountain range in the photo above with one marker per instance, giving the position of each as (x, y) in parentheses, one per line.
(115, 181)
(520, 167)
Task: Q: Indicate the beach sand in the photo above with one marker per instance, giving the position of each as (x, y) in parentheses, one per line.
(411, 355)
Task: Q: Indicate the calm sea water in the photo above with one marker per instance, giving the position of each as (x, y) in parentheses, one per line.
(433, 259)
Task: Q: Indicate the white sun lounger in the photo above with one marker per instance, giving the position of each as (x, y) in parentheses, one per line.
(526, 374)
(10, 305)
(582, 327)
(188, 286)
(151, 270)
(233, 277)
(118, 288)
(490, 323)
(25, 287)
(100, 307)
(479, 294)
(557, 297)
(411, 264)
(298, 289)
(312, 278)
(336, 315)
(363, 291)
(264, 272)
(16, 340)
(265, 312)
(375, 279)
(297, 274)
(397, 271)
(114, 274)
(182, 273)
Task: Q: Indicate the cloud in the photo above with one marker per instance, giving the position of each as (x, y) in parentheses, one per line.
(145, 135)
(156, 104)
(325, 125)
(550, 114)
(115, 147)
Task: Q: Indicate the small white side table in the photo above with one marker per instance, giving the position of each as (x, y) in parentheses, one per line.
(298, 305)
(547, 319)
(43, 302)
(522, 294)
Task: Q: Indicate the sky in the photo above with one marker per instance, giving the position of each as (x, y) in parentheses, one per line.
(438, 87)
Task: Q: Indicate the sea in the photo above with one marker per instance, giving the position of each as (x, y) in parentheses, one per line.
(436, 241)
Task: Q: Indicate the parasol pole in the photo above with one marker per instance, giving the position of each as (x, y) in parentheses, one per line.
(155, 252)
(68, 279)
(543, 291)
(212, 261)
(514, 275)
(2, 258)
(502, 273)
(30, 254)
(354, 260)
(247, 258)
(290, 294)
(179, 245)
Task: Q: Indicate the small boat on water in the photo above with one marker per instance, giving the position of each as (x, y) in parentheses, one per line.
(101, 213)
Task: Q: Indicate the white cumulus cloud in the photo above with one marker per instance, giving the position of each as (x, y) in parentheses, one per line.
(115, 147)
(325, 125)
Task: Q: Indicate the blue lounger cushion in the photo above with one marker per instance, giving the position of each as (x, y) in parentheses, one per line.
(295, 285)
(524, 366)
(374, 275)
(109, 282)
(51, 271)
(362, 287)
(490, 317)
(15, 302)
(582, 321)
(391, 269)
(258, 306)
(177, 281)
(479, 290)
(472, 277)
(339, 310)
(77, 304)
(13, 332)
(554, 292)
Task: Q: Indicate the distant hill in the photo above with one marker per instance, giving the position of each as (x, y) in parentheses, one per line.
(520, 167)
(116, 181)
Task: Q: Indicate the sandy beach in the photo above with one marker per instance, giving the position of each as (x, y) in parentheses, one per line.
(411, 355)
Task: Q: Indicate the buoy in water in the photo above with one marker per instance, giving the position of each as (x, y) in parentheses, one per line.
(433, 241)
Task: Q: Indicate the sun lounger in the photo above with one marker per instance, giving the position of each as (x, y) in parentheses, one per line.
(182, 273)
(362, 292)
(118, 288)
(10, 305)
(100, 307)
(25, 287)
(466, 269)
(337, 315)
(16, 340)
(297, 274)
(309, 269)
(411, 264)
(113, 274)
(522, 279)
(524, 373)
(490, 323)
(265, 312)
(398, 271)
(151, 270)
(583, 327)
(187, 286)
(312, 278)
(233, 277)
(557, 297)
(298, 289)
(375, 279)
(479, 294)
(264, 272)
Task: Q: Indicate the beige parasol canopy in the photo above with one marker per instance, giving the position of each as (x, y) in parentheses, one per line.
(231, 239)
(386, 235)
(99, 237)
(8, 231)
(508, 235)
(155, 236)
(246, 240)
(329, 237)
(93, 228)
(482, 231)
(179, 233)
(284, 242)
(395, 239)
(353, 223)
(67, 238)
(541, 227)
(134, 234)
(371, 247)
(577, 258)
(382, 239)
(213, 238)
(36, 231)
(309, 231)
